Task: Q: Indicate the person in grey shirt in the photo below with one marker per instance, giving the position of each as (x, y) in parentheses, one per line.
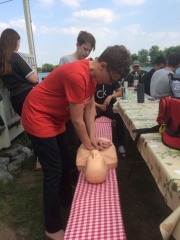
(67, 59)
(160, 82)
(85, 44)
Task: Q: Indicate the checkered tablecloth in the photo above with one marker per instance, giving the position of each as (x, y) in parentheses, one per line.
(103, 128)
(96, 212)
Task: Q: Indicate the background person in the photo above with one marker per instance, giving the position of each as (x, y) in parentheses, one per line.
(67, 92)
(160, 86)
(85, 44)
(105, 96)
(136, 68)
(159, 63)
(16, 73)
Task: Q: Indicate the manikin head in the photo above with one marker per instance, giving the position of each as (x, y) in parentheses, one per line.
(95, 168)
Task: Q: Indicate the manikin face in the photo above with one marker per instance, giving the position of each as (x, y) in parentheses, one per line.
(18, 45)
(83, 50)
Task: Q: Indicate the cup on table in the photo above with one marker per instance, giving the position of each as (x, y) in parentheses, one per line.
(125, 84)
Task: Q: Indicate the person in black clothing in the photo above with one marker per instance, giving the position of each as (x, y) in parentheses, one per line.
(136, 67)
(17, 75)
(159, 63)
(104, 99)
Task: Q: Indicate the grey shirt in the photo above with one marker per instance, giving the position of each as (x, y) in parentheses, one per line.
(160, 84)
(66, 59)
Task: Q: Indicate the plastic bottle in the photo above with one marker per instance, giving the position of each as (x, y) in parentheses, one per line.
(136, 81)
(140, 92)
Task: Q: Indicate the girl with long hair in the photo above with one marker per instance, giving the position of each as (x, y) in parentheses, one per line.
(16, 73)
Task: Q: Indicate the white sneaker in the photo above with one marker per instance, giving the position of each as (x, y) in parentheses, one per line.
(122, 151)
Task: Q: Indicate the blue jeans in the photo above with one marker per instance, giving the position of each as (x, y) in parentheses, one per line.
(54, 156)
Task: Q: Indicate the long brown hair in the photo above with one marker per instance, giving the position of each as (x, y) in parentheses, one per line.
(8, 44)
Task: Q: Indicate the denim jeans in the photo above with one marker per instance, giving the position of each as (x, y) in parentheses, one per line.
(54, 156)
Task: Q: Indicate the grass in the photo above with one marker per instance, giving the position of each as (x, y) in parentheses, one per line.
(143, 206)
(21, 203)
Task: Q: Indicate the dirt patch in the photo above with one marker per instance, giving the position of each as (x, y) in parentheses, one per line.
(29, 177)
(6, 233)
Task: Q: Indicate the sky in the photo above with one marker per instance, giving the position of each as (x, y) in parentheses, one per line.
(136, 24)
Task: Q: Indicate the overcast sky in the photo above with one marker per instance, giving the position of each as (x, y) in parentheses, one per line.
(137, 24)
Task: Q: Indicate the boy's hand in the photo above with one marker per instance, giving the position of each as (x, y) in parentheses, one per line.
(100, 144)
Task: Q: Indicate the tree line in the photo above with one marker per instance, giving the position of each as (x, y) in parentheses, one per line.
(148, 56)
(47, 67)
(144, 56)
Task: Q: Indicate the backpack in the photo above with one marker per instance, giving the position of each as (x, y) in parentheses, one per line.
(169, 120)
(174, 82)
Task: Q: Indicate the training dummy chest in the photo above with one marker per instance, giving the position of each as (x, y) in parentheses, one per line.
(95, 164)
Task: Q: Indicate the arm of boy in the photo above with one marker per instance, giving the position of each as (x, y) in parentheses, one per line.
(77, 114)
(89, 117)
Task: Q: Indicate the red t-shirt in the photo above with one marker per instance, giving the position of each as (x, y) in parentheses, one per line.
(46, 108)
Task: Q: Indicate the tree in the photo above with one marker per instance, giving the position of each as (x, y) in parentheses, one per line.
(47, 67)
(154, 53)
(143, 55)
(162, 53)
(171, 50)
(39, 69)
(177, 49)
(134, 57)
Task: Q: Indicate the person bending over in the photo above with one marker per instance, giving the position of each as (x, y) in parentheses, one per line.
(67, 93)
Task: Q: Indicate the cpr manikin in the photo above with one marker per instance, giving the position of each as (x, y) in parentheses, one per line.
(95, 164)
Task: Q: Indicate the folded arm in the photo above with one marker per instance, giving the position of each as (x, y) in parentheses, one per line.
(116, 94)
(33, 78)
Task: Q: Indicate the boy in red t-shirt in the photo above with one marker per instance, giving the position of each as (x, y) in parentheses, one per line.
(67, 93)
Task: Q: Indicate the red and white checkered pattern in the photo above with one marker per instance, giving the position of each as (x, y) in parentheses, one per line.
(103, 128)
(95, 212)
